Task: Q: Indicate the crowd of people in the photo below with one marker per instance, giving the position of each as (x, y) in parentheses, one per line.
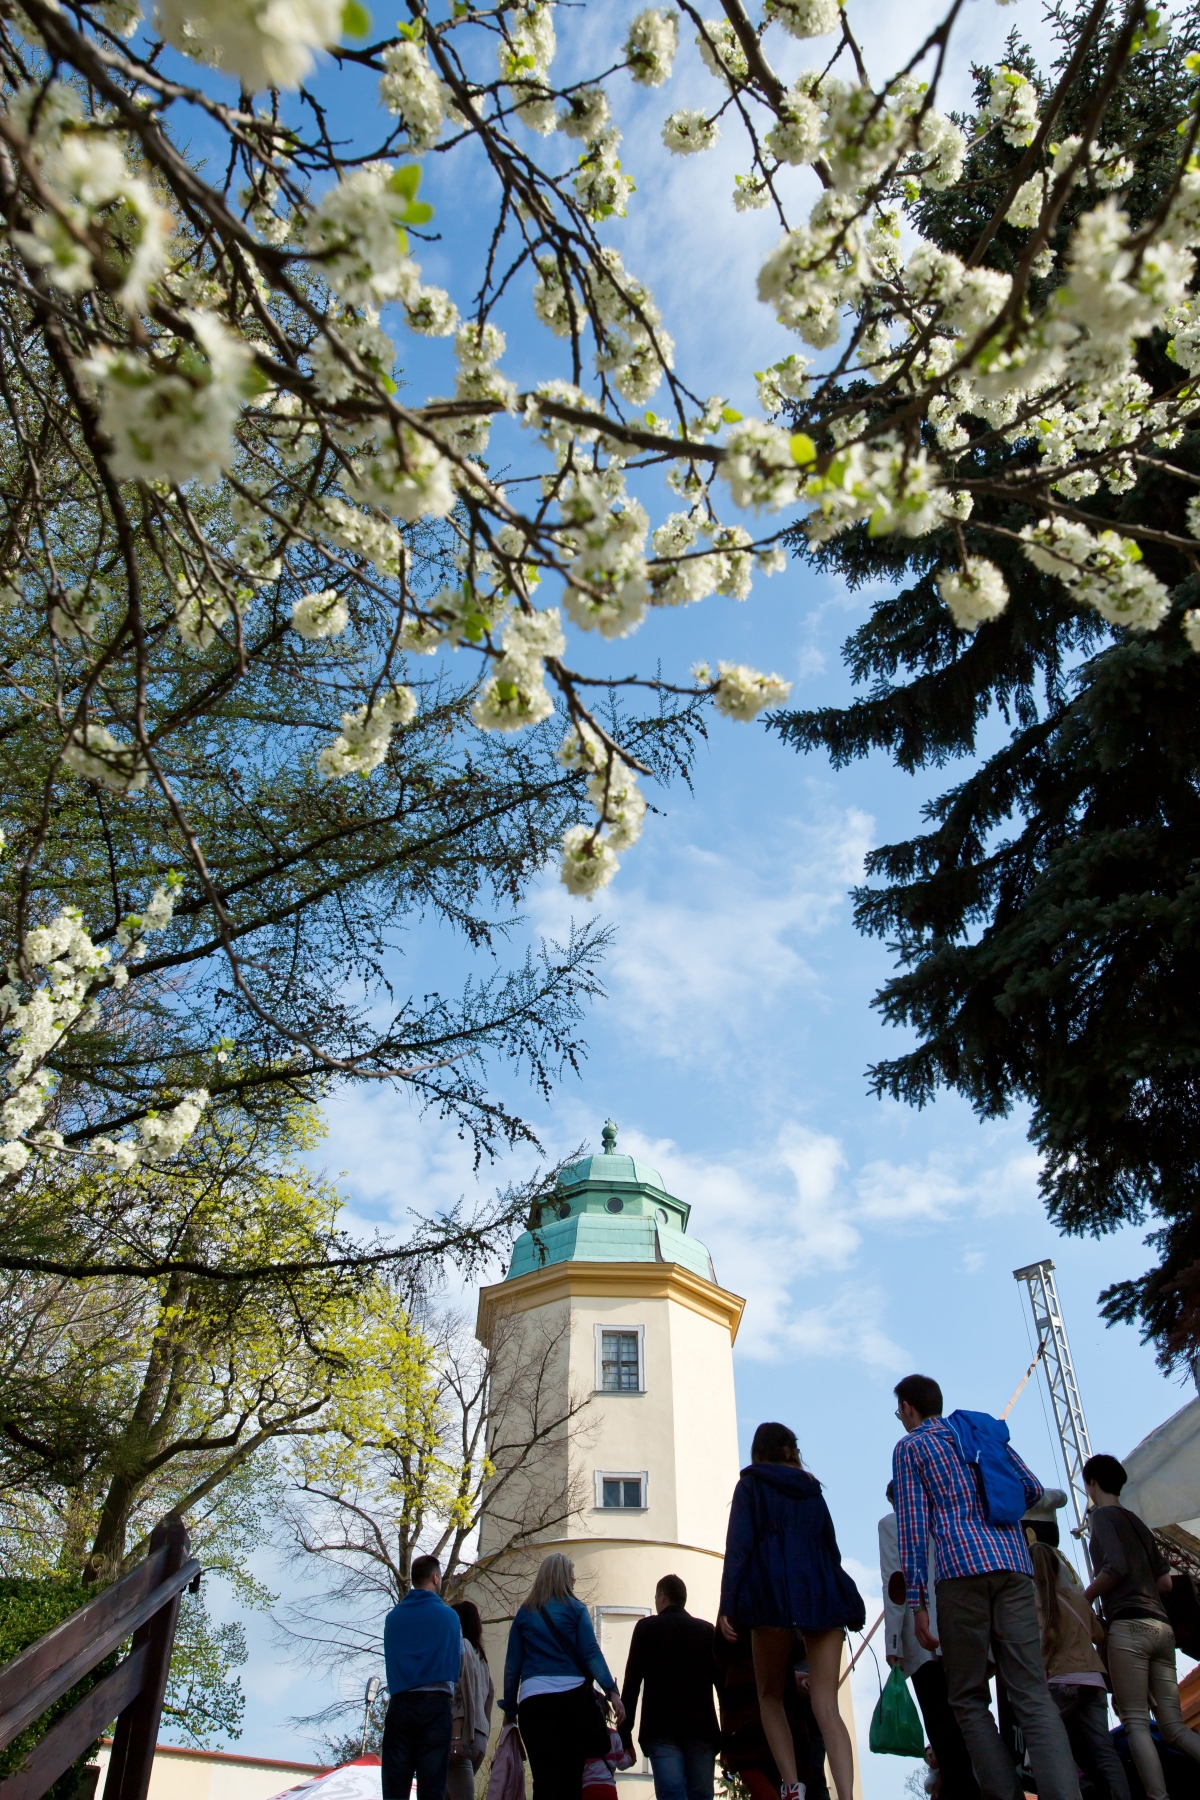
(973, 1589)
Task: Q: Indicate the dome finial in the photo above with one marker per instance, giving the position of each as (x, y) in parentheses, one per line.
(609, 1138)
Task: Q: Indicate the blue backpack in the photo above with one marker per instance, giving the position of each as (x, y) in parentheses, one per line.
(983, 1445)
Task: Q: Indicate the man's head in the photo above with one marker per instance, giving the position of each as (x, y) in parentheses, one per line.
(1103, 1477)
(918, 1398)
(427, 1573)
(670, 1592)
(890, 1490)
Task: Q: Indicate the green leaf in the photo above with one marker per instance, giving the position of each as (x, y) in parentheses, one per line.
(406, 181)
(418, 212)
(730, 414)
(253, 382)
(651, 419)
(356, 20)
(804, 451)
(414, 33)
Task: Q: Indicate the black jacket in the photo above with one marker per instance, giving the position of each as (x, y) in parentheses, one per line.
(672, 1657)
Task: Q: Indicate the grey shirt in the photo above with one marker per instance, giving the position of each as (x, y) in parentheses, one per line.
(1122, 1545)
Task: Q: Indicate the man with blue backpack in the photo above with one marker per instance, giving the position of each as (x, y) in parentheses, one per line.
(959, 1481)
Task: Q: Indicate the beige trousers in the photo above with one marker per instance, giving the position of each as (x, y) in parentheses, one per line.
(1141, 1665)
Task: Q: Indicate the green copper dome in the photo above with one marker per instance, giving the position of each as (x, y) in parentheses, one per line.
(610, 1208)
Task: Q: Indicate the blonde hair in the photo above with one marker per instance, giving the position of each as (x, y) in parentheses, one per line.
(555, 1580)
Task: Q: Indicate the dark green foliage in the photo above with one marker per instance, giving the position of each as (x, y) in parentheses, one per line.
(28, 1610)
(1046, 922)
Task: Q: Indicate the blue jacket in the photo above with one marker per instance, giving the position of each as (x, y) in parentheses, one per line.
(422, 1642)
(782, 1563)
(534, 1650)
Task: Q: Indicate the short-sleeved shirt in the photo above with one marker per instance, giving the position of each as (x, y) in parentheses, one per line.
(1122, 1545)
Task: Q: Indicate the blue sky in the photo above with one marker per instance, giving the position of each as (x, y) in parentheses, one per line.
(868, 1239)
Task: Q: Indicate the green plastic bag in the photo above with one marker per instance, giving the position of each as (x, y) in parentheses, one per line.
(896, 1728)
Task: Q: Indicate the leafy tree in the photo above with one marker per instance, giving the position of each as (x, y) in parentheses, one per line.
(123, 1400)
(467, 1426)
(1045, 921)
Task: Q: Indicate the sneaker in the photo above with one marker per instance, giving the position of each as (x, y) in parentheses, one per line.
(793, 1790)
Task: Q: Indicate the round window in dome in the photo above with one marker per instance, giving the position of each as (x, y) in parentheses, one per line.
(564, 1210)
(660, 1213)
(615, 1204)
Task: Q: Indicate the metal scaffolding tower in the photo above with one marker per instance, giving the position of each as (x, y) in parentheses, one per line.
(1060, 1379)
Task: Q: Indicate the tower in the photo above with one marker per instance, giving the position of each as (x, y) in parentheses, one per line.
(613, 1429)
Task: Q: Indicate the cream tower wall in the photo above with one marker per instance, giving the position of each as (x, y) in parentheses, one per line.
(679, 1432)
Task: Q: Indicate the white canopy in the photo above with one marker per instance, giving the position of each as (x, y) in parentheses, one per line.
(358, 1780)
(1164, 1471)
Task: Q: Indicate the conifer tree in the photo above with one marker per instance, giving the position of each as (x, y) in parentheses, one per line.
(1045, 919)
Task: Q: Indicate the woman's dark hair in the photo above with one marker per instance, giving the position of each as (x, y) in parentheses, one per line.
(1106, 1472)
(775, 1443)
(472, 1624)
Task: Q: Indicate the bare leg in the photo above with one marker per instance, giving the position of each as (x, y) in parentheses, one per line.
(824, 1667)
(772, 1647)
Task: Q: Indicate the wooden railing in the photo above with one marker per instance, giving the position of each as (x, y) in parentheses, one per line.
(144, 1606)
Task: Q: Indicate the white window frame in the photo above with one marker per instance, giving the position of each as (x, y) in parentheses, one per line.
(603, 1475)
(616, 1393)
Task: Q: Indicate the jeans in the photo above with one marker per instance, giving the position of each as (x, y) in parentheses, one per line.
(994, 1615)
(416, 1741)
(682, 1771)
(1141, 1664)
(942, 1730)
(1085, 1714)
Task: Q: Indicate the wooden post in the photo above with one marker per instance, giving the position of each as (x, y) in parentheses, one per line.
(136, 1736)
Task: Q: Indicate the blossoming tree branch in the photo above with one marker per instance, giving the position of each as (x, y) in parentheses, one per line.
(217, 485)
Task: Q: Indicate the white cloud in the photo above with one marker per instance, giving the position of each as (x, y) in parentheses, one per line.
(696, 967)
(782, 1219)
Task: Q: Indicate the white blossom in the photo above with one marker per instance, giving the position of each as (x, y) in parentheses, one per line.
(721, 50)
(265, 43)
(1105, 572)
(784, 380)
(173, 425)
(587, 114)
(589, 861)
(199, 614)
(409, 88)
(796, 136)
(407, 476)
(93, 752)
(651, 46)
(759, 466)
(1113, 291)
(1013, 103)
(13, 1158)
(943, 148)
(973, 594)
(366, 734)
(164, 1134)
(320, 615)
(687, 132)
(742, 693)
(431, 312)
(355, 231)
(1191, 627)
(806, 18)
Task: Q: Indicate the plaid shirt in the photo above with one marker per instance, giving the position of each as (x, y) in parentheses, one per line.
(936, 1497)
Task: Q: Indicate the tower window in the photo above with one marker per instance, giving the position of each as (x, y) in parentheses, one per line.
(624, 1493)
(620, 1362)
